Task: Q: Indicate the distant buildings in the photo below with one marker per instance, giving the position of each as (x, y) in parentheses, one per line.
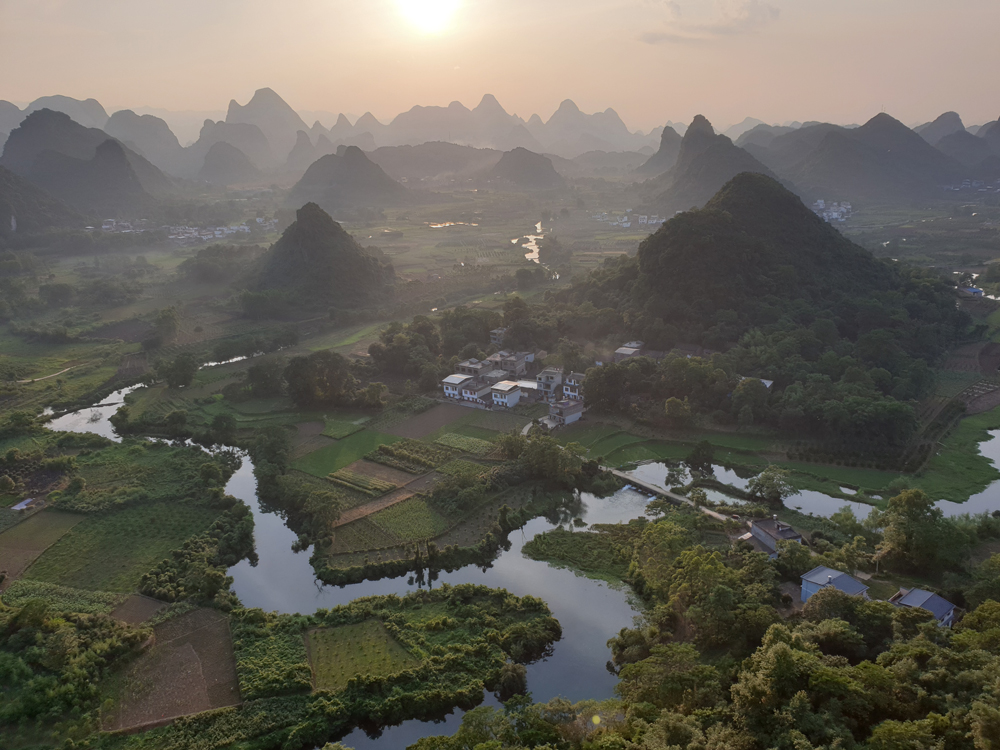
(497, 336)
(832, 212)
(501, 381)
(821, 577)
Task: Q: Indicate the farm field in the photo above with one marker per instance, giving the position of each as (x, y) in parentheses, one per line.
(429, 422)
(366, 648)
(190, 669)
(63, 598)
(344, 452)
(411, 520)
(24, 543)
(112, 552)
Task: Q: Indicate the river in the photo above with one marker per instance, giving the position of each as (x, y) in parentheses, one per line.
(589, 611)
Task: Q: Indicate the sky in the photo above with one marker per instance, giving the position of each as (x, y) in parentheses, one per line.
(653, 61)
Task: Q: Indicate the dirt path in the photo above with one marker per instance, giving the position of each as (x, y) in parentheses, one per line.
(53, 375)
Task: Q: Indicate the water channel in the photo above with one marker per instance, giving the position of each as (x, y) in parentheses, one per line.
(589, 611)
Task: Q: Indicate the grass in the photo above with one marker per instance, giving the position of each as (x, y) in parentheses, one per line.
(365, 648)
(339, 429)
(466, 444)
(959, 470)
(410, 520)
(344, 452)
(462, 468)
(111, 552)
(593, 553)
(62, 598)
(39, 531)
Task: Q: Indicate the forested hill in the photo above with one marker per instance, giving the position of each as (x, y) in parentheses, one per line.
(323, 265)
(26, 209)
(848, 340)
(752, 242)
(755, 255)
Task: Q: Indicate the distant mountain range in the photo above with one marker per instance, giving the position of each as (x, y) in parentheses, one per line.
(705, 162)
(265, 141)
(83, 166)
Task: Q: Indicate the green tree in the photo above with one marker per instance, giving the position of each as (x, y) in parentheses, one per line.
(678, 412)
(321, 379)
(914, 533)
(771, 485)
(180, 372)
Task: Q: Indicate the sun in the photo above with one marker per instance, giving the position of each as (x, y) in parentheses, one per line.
(429, 16)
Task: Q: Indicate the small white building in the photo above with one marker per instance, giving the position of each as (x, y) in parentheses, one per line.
(550, 383)
(506, 393)
(452, 385)
(477, 391)
(565, 412)
(573, 386)
(497, 336)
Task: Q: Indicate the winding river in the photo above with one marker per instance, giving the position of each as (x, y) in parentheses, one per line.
(589, 611)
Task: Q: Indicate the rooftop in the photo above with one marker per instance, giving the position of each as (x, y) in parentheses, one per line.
(823, 575)
(776, 529)
(456, 379)
(936, 605)
(506, 386)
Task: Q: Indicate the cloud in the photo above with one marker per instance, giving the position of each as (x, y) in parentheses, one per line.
(731, 17)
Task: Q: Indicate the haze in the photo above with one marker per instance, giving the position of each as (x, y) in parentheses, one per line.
(652, 60)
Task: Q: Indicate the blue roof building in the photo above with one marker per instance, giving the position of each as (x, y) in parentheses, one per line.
(821, 577)
(942, 609)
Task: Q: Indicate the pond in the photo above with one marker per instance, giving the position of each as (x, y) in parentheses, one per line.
(589, 611)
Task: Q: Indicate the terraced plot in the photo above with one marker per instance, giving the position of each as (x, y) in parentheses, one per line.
(366, 648)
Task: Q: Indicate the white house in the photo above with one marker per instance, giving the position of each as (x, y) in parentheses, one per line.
(497, 335)
(506, 393)
(477, 391)
(821, 577)
(942, 609)
(550, 383)
(573, 386)
(452, 385)
(565, 412)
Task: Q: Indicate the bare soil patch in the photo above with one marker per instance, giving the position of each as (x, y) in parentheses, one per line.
(21, 545)
(432, 420)
(137, 609)
(424, 483)
(964, 358)
(983, 403)
(309, 437)
(989, 359)
(361, 511)
(379, 471)
(189, 669)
